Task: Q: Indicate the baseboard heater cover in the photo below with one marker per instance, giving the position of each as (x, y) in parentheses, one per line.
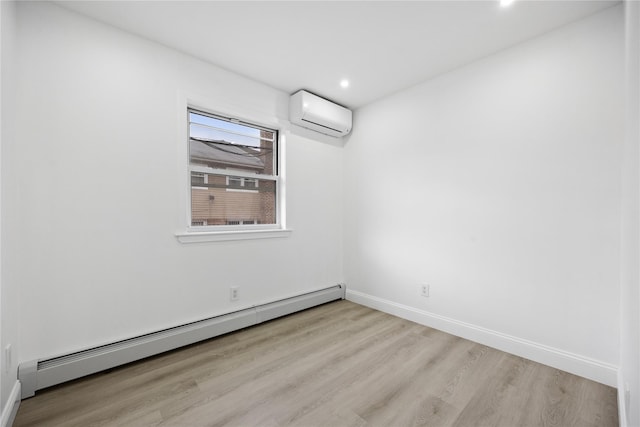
(42, 373)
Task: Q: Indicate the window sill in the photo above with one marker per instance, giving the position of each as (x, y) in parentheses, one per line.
(220, 236)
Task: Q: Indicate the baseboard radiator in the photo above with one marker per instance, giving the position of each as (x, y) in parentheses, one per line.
(42, 373)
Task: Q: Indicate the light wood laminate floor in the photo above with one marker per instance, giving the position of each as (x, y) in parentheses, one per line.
(339, 364)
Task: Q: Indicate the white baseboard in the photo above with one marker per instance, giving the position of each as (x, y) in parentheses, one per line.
(586, 367)
(11, 408)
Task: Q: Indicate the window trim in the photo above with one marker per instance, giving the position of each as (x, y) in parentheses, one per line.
(221, 236)
(198, 234)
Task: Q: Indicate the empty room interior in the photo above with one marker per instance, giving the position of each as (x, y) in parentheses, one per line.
(336, 213)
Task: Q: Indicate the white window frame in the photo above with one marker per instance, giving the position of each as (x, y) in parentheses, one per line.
(199, 234)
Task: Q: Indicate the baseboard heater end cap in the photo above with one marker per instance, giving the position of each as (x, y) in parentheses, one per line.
(277, 309)
(28, 377)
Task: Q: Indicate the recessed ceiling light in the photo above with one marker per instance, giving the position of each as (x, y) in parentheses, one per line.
(344, 83)
(505, 3)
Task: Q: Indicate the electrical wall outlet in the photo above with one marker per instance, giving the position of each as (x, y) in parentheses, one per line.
(233, 293)
(424, 291)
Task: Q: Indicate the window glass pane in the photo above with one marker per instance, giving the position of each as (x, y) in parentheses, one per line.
(222, 144)
(197, 179)
(222, 200)
(234, 182)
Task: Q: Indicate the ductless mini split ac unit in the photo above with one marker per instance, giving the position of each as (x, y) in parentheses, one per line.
(313, 112)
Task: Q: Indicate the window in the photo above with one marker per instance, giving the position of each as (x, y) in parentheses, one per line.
(234, 173)
(235, 183)
(243, 221)
(199, 180)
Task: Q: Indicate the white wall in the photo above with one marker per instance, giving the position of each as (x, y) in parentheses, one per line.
(629, 374)
(499, 185)
(9, 290)
(100, 191)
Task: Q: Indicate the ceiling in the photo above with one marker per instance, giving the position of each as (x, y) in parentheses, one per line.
(380, 46)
